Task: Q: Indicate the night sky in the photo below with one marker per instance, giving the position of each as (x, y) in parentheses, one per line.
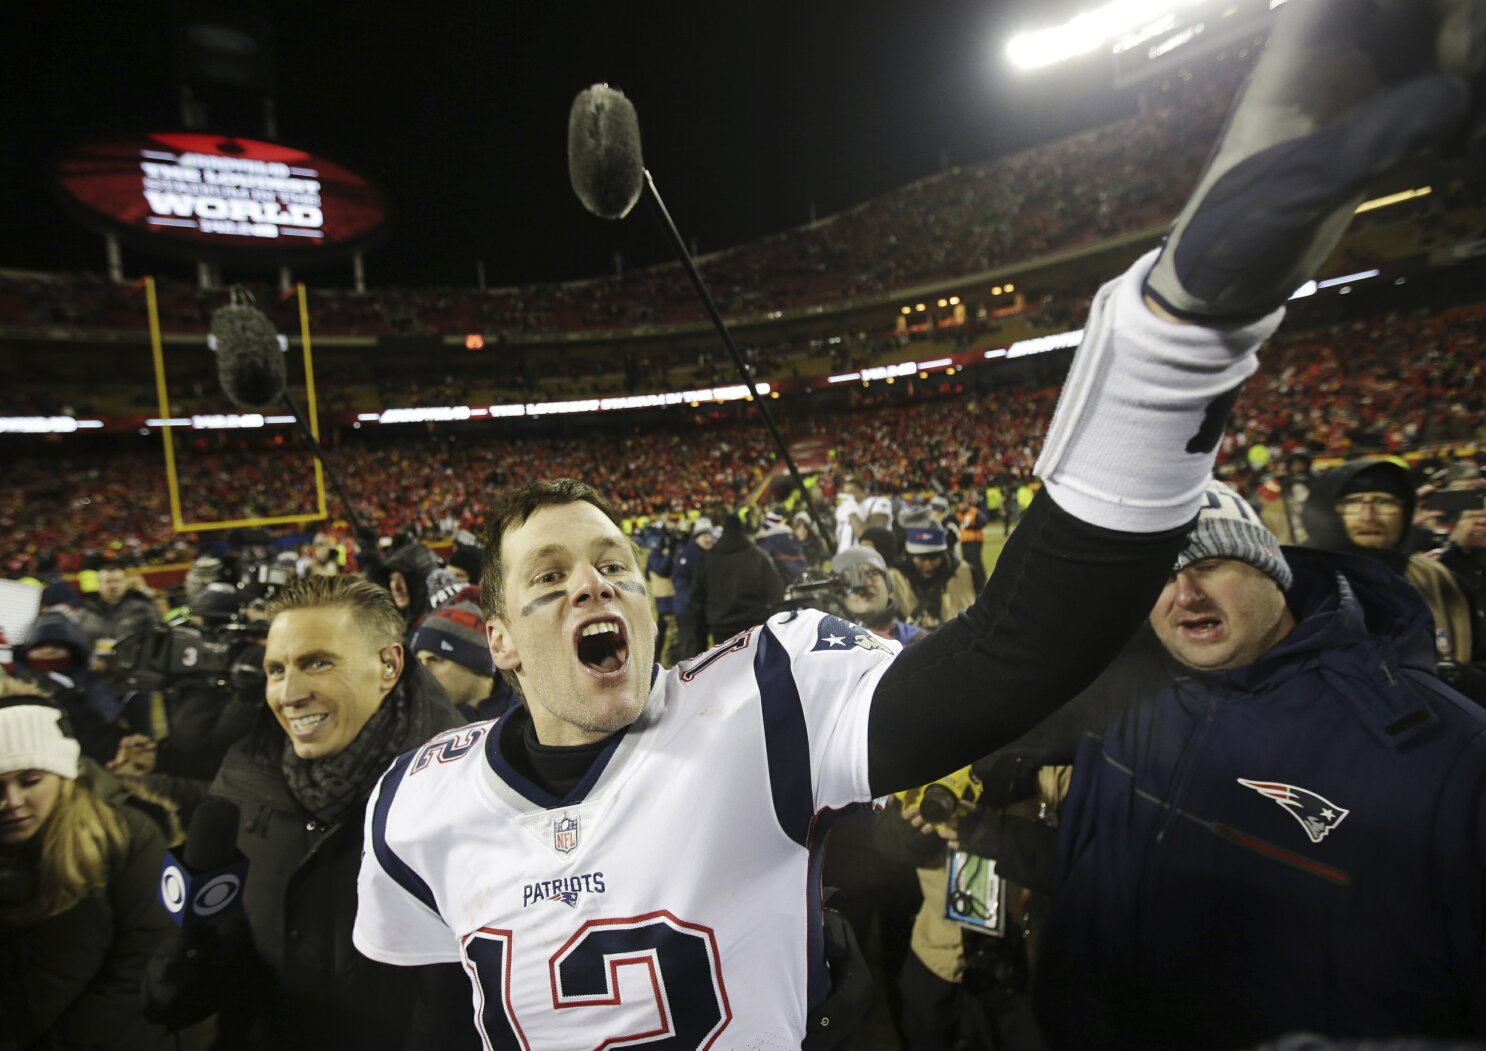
(750, 114)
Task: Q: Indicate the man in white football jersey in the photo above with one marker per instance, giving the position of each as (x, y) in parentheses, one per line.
(630, 856)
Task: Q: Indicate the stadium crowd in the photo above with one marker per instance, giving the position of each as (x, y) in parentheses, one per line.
(1384, 384)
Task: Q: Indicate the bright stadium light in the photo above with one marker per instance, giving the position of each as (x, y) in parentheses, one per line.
(1117, 21)
(1118, 26)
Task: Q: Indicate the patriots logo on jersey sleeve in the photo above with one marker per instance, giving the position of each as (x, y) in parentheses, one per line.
(833, 633)
(1316, 814)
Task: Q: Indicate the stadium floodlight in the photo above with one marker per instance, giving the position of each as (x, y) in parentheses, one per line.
(1116, 26)
(1089, 31)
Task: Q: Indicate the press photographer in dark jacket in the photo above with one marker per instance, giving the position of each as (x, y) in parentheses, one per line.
(343, 702)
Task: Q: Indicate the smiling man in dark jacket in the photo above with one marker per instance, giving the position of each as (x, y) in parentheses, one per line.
(343, 702)
(1285, 830)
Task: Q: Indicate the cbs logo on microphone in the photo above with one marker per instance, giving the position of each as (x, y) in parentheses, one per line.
(197, 898)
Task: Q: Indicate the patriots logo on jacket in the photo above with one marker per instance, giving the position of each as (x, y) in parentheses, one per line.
(1316, 814)
(833, 633)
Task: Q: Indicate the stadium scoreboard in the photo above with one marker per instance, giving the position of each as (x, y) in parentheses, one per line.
(221, 198)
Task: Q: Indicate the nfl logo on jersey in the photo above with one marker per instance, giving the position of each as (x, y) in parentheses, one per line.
(565, 834)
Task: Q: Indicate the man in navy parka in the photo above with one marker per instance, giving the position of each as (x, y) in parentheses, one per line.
(1286, 828)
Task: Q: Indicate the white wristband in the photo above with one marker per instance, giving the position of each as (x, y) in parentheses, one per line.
(1120, 452)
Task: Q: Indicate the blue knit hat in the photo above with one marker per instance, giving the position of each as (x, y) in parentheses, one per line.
(456, 632)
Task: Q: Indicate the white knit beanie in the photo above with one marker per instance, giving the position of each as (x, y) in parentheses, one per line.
(31, 738)
(1227, 527)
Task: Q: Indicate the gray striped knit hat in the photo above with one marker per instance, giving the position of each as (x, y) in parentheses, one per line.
(1227, 527)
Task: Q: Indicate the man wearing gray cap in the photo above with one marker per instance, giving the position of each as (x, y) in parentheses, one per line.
(1283, 831)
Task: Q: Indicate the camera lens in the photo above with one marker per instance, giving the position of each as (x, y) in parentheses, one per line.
(939, 804)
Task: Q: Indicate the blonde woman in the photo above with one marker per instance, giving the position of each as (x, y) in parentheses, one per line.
(78, 915)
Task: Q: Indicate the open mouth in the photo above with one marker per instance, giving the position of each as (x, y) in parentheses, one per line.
(602, 646)
(1202, 627)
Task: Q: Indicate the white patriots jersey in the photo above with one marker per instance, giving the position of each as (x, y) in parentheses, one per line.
(672, 900)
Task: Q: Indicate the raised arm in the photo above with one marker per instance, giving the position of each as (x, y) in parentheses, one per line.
(1345, 91)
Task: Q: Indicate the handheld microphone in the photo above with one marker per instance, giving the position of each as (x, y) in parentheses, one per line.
(604, 160)
(207, 880)
(194, 970)
(250, 365)
(608, 174)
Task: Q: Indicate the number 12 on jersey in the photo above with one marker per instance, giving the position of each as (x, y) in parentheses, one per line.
(685, 975)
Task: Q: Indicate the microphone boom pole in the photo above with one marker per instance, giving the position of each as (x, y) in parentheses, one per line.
(609, 176)
(694, 275)
(319, 453)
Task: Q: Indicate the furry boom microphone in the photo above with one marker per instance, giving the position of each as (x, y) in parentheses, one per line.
(604, 160)
(250, 367)
(608, 175)
(250, 364)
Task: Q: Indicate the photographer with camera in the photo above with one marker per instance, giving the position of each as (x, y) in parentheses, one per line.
(204, 679)
(966, 983)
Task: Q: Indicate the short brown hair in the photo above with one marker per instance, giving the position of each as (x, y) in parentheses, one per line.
(375, 612)
(511, 511)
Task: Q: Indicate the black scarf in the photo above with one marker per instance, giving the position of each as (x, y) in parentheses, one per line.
(331, 787)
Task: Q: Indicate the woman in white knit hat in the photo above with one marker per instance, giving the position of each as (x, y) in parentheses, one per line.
(78, 915)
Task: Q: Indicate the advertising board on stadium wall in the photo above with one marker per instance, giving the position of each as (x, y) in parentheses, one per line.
(221, 198)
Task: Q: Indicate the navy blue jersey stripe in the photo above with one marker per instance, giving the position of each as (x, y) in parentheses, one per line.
(818, 975)
(393, 865)
(785, 738)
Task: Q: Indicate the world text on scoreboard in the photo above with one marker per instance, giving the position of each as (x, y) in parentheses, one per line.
(216, 197)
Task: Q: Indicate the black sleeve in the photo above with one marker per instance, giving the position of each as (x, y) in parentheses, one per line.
(1064, 599)
(441, 1012)
(1055, 741)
